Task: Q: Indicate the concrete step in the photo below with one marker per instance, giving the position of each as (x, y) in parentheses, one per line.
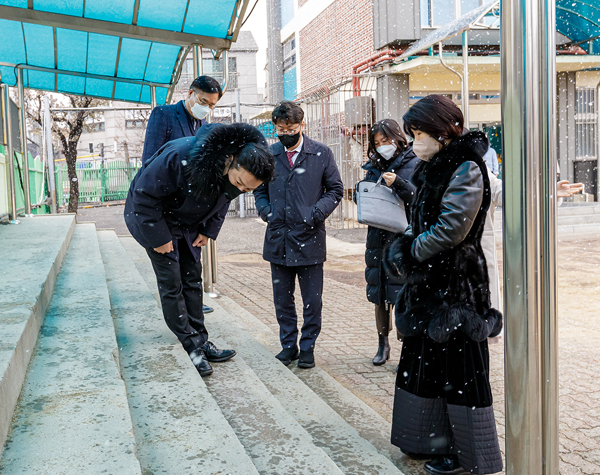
(31, 255)
(178, 426)
(350, 432)
(340, 441)
(73, 416)
(275, 441)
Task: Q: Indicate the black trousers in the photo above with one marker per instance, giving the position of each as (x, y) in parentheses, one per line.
(180, 289)
(310, 279)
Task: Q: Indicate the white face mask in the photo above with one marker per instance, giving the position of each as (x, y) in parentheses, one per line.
(426, 148)
(200, 112)
(386, 151)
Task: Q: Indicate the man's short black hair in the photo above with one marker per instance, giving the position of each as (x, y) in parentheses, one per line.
(258, 160)
(208, 85)
(288, 112)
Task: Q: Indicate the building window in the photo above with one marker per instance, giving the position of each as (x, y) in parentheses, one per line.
(289, 54)
(134, 124)
(287, 12)
(95, 127)
(436, 13)
(214, 68)
(586, 124)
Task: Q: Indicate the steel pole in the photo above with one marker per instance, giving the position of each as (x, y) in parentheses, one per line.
(25, 154)
(548, 146)
(8, 152)
(465, 77)
(153, 96)
(197, 61)
(528, 120)
(50, 154)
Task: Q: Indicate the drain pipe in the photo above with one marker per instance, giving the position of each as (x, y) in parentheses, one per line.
(465, 100)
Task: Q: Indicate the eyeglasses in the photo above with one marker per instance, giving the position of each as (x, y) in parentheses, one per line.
(287, 132)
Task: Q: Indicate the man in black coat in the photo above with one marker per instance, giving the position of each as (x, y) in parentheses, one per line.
(183, 119)
(306, 189)
(176, 202)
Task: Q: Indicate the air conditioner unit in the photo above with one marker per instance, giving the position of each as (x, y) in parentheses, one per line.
(359, 111)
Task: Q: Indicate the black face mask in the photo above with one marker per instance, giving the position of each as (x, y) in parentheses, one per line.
(289, 140)
(231, 191)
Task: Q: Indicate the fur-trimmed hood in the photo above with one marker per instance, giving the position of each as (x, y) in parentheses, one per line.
(207, 159)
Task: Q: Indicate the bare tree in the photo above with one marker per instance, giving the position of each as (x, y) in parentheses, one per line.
(66, 128)
(131, 126)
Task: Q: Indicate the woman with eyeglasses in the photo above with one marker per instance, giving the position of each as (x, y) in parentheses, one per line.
(443, 400)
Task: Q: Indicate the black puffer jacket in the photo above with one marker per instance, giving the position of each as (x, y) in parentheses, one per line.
(381, 287)
(439, 259)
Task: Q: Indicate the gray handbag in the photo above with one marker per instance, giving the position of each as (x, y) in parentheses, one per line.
(379, 206)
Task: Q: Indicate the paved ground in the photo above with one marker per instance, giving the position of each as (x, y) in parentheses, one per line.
(348, 340)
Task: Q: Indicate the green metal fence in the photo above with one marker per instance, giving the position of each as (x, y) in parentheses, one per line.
(97, 181)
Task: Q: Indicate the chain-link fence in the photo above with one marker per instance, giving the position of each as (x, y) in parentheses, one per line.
(340, 116)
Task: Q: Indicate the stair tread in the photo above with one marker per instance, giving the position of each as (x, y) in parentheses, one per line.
(350, 449)
(73, 415)
(178, 426)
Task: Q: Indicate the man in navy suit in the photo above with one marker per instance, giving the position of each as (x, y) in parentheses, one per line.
(306, 189)
(183, 119)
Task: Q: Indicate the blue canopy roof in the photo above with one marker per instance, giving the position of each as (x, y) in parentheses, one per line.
(579, 20)
(112, 49)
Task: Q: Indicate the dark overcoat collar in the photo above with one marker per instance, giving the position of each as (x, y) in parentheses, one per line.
(308, 148)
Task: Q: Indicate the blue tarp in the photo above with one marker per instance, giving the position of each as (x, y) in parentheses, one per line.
(77, 61)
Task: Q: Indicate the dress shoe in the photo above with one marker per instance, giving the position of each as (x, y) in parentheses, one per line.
(307, 359)
(447, 465)
(201, 363)
(215, 355)
(287, 355)
(207, 309)
(383, 352)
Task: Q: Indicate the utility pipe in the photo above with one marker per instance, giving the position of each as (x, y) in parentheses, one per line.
(8, 152)
(24, 153)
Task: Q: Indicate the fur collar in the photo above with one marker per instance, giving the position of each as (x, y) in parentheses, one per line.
(207, 159)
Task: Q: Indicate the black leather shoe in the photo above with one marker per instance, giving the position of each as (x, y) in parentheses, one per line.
(383, 352)
(207, 309)
(444, 466)
(306, 360)
(215, 355)
(287, 355)
(201, 363)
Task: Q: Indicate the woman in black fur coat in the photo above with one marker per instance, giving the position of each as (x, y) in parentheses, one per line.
(390, 156)
(443, 400)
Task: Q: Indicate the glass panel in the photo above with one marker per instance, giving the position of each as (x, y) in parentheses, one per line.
(70, 84)
(39, 40)
(145, 97)
(99, 87)
(41, 80)
(127, 92)
(133, 59)
(11, 39)
(8, 75)
(102, 54)
(287, 11)
(425, 19)
(71, 49)
(119, 11)
(14, 3)
(66, 7)
(290, 85)
(161, 62)
(209, 18)
(161, 14)
(161, 95)
(468, 5)
(443, 12)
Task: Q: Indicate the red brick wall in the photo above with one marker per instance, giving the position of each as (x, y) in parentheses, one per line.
(340, 37)
(301, 3)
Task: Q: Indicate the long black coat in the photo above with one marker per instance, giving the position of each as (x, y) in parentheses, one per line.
(168, 123)
(297, 202)
(163, 201)
(382, 287)
(439, 259)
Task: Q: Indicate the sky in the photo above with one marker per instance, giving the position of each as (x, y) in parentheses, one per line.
(257, 24)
